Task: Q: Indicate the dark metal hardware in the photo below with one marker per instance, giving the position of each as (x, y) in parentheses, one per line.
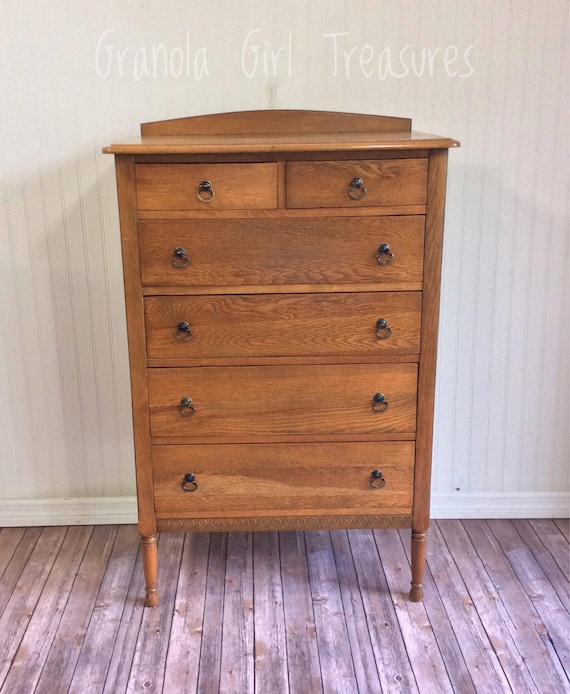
(186, 408)
(184, 333)
(179, 258)
(379, 403)
(385, 255)
(383, 330)
(357, 189)
(189, 483)
(205, 192)
(377, 481)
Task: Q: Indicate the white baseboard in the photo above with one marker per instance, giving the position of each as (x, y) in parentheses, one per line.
(75, 511)
(499, 505)
(111, 510)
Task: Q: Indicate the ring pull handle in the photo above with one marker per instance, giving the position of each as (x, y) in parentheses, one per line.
(205, 192)
(186, 408)
(183, 333)
(180, 258)
(383, 330)
(189, 483)
(377, 481)
(385, 255)
(356, 188)
(379, 403)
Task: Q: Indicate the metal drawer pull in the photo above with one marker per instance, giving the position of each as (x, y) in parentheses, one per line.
(383, 330)
(189, 483)
(179, 257)
(379, 403)
(385, 255)
(376, 479)
(205, 192)
(184, 333)
(186, 408)
(357, 189)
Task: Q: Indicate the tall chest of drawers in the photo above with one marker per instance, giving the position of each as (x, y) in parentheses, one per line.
(282, 273)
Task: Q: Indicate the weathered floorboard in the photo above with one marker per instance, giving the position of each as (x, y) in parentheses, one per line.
(363, 658)
(337, 670)
(237, 659)
(149, 662)
(183, 659)
(48, 612)
(64, 653)
(425, 658)
(436, 597)
(98, 645)
(394, 668)
(301, 634)
(27, 591)
(269, 619)
(305, 612)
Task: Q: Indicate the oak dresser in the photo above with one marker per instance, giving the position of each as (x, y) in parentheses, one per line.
(282, 278)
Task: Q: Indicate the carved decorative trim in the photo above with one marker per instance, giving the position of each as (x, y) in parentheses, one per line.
(282, 523)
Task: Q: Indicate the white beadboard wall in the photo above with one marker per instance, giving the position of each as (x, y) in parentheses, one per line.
(77, 75)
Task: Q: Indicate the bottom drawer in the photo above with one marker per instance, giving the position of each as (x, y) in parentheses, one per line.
(253, 479)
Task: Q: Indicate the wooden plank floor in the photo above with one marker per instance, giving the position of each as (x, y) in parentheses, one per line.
(287, 612)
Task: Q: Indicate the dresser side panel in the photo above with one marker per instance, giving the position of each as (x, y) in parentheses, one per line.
(125, 170)
(437, 175)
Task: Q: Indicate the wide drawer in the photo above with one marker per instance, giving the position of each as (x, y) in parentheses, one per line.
(360, 183)
(282, 251)
(271, 402)
(232, 186)
(271, 325)
(248, 479)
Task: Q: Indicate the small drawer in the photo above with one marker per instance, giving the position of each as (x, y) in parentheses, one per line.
(257, 403)
(360, 183)
(341, 250)
(206, 186)
(233, 480)
(289, 325)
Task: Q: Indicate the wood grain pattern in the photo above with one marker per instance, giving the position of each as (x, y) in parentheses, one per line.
(125, 172)
(326, 600)
(235, 186)
(278, 363)
(327, 184)
(436, 188)
(284, 212)
(237, 668)
(300, 630)
(62, 659)
(264, 325)
(285, 251)
(183, 658)
(332, 634)
(258, 401)
(44, 622)
(270, 649)
(283, 477)
(276, 120)
(363, 657)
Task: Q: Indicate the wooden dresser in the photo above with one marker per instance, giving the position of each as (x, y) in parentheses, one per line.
(282, 273)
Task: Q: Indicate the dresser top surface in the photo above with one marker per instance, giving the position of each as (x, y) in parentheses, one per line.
(278, 131)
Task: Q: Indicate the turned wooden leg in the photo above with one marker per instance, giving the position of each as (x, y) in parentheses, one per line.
(150, 565)
(418, 564)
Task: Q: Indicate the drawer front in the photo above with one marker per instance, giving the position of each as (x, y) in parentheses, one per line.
(233, 186)
(256, 478)
(267, 402)
(282, 251)
(265, 325)
(364, 183)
